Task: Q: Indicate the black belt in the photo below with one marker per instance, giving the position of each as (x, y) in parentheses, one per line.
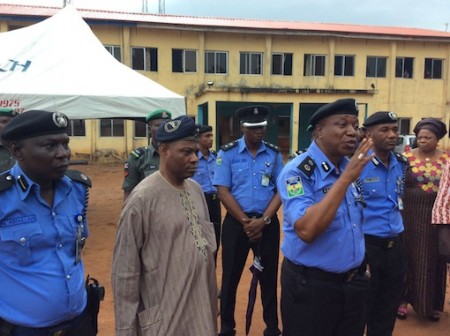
(318, 274)
(382, 242)
(211, 196)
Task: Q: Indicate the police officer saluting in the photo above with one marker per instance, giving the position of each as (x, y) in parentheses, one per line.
(42, 230)
(246, 171)
(205, 175)
(383, 185)
(6, 160)
(323, 284)
(144, 161)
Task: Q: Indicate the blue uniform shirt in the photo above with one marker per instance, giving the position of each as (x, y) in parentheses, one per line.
(383, 192)
(40, 283)
(205, 172)
(252, 180)
(341, 246)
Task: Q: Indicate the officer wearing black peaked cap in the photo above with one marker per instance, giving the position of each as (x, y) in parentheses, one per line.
(246, 171)
(323, 238)
(383, 186)
(43, 220)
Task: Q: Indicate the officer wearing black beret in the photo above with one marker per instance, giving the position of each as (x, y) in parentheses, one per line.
(323, 241)
(383, 185)
(144, 161)
(205, 175)
(6, 160)
(43, 221)
(246, 171)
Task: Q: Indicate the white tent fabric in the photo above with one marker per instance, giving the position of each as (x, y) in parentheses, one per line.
(59, 65)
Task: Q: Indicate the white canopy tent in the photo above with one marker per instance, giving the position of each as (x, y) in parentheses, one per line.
(60, 65)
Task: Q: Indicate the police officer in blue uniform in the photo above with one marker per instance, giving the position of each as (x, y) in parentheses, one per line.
(324, 287)
(144, 161)
(246, 171)
(383, 184)
(205, 175)
(42, 231)
(6, 159)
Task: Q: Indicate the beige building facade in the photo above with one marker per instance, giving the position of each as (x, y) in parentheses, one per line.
(220, 65)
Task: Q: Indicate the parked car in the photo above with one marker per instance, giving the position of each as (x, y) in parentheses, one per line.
(405, 142)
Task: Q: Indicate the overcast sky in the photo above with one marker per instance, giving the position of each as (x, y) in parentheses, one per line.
(430, 14)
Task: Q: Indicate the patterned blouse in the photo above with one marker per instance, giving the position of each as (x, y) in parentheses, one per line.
(427, 173)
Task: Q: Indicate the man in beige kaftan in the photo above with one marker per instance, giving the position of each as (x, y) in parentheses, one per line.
(163, 273)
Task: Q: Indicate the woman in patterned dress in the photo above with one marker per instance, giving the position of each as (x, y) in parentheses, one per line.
(426, 273)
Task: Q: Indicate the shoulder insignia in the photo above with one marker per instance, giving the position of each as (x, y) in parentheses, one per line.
(213, 152)
(229, 145)
(307, 166)
(78, 176)
(138, 152)
(275, 148)
(6, 181)
(400, 157)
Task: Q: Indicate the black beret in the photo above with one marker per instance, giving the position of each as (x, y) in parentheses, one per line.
(204, 128)
(181, 128)
(382, 117)
(158, 114)
(433, 125)
(7, 112)
(340, 106)
(253, 116)
(35, 123)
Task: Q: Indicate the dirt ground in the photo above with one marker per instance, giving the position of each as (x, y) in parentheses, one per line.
(104, 209)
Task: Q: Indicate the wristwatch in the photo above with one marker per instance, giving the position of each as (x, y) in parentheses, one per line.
(267, 220)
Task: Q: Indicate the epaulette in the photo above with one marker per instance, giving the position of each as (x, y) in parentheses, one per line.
(213, 152)
(6, 181)
(307, 166)
(275, 148)
(138, 152)
(400, 157)
(78, 176)
(229, 145)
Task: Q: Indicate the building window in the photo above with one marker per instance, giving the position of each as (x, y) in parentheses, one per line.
(282, 64)
(111, 127)
(76, 127)
(216, 62)
(144, 59)
(184, 60)
(404, 125)
(140, 129)
(250, 63)
(314, 65)
(344, 65)
(115, 51)
(404, 67)
(376, 66)
(433, 68)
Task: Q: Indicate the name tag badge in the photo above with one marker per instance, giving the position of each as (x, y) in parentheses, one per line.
(400, 203)
(265, 181)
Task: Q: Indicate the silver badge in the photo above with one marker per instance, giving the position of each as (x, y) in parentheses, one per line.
(255, 111)
(393, 116)
(172, 126)
(356, 106)
(60, 120)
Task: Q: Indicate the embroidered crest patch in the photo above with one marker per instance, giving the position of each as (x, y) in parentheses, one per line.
(294, 186)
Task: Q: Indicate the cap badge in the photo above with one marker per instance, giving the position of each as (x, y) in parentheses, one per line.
(393, 116)
(59, 119)
(356, 106)
(172, 126)
(164, 114)
(255, 111)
